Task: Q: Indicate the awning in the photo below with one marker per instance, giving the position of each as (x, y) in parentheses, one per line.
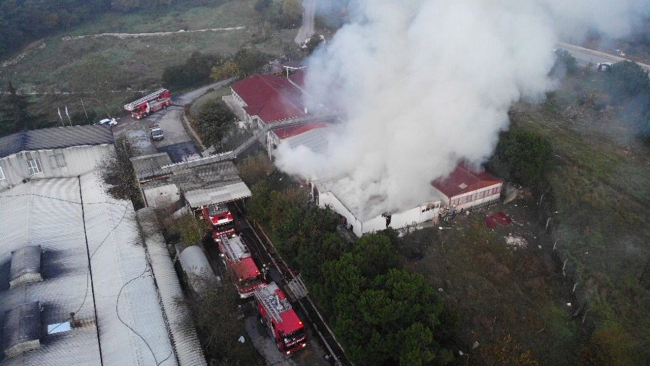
(223, 194)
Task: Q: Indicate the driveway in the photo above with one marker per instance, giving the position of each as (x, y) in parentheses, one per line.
(177, 142)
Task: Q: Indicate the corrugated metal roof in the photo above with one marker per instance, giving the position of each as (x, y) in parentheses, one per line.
(270, 97)
(120, 273)
(223, 194)
(149, 166)
(186, 342)
(55, 138)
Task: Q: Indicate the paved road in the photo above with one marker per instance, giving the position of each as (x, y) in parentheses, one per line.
(585, 56)
(177, 142)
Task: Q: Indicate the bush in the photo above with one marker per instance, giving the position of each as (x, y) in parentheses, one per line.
(214, 122)
(627, 79)
(383, 315)
(195, 71)
(526, 155)
(564, 64)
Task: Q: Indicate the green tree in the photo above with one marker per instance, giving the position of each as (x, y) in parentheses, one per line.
(117, 172)
(564, 63)
(260, 202)
(291, 12)
(216, 317)
(214, 122)
(627, 79)
(14, 113)
(527, 155)
(249, 61)
(190, 230)
(226, 70)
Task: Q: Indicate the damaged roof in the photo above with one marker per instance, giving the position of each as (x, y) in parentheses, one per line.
(463, 180)
(86, 220)
(149, 166)
(210, 184)
(55, 138)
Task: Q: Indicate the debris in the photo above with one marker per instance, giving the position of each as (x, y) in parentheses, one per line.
(476, 344)
(516, 242)
(242, 339)
(539, 246)
(568, 304)
(440, 289)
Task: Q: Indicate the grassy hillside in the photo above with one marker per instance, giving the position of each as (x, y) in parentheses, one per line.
(575, 287)
(138, 62)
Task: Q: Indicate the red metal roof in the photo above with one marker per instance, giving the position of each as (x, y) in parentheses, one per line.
(463, 180)
(298, 78)
(269, 97)
(291, 131)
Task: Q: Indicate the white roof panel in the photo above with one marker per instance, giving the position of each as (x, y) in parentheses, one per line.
(223, 194)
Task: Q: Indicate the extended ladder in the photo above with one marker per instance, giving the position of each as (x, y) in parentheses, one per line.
(152, 96)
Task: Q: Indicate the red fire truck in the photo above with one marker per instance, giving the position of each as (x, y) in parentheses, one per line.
(235, 256)
(280, 318)
(222, 220)
(153, 102)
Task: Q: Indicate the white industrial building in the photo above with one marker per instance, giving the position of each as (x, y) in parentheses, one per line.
(52, 153)
(76, 285)
(364, 219)
(464, 188)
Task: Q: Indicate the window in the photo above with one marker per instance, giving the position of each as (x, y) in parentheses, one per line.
(2, 174)
(34, 166)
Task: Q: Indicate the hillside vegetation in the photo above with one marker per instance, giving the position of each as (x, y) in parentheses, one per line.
(51, 68)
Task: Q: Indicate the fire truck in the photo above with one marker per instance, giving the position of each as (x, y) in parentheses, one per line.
(280, 318)
(222, 220)
(153, 102)
(235, 256)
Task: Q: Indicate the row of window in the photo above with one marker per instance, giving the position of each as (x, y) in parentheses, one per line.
(33, 167)
(476, 196)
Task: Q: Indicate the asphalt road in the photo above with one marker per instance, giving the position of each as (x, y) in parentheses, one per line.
(177, 142)
(584, 56)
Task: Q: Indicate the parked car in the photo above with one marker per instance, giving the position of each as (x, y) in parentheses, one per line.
(157, 133)
(108, 121)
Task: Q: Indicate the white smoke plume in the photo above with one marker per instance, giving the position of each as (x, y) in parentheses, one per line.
(424, 84)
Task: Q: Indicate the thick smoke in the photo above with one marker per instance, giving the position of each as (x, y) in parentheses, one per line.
(424, 84)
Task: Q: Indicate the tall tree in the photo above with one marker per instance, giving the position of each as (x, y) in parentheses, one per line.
(14, 113)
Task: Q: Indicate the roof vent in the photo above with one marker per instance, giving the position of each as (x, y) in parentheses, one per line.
(462, 186)
(25, 265)
(22, 329)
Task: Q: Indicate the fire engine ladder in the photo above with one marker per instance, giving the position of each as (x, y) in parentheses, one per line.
(229, 252)
(149, 97)
(270, 304)
(297, 287)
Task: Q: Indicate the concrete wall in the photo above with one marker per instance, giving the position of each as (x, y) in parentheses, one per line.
(328, 199)
(271, 140)
(57, 163)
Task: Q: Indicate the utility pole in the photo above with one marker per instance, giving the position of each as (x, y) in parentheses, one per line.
(84, 107)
